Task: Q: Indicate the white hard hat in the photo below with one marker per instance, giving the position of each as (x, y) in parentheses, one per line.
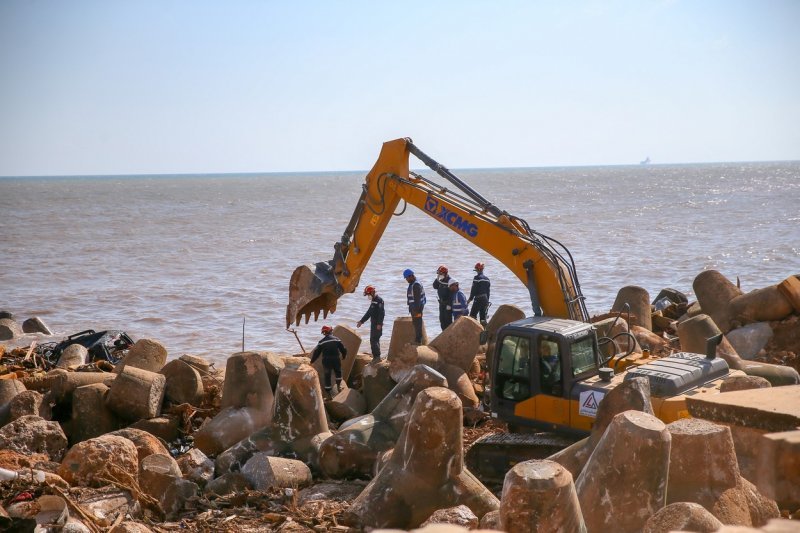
(452, 282)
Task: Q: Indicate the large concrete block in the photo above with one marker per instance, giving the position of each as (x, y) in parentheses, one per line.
(638, 303)
(778, 471)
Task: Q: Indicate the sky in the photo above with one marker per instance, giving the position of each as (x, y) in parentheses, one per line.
(171, 86)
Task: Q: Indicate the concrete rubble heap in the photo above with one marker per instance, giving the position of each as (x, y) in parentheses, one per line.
(426, 471)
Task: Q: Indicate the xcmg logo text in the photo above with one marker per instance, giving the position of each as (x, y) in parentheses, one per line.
(451, 218)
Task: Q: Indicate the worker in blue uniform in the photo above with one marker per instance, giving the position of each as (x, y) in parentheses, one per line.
(416, 302)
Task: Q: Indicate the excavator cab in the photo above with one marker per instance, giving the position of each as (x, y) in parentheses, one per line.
(537, 363)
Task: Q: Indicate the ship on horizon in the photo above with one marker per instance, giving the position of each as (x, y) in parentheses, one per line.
(646, 161)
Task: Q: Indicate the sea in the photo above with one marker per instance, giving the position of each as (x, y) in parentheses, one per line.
(202, 263)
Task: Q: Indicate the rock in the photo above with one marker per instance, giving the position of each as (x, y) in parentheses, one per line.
(91, 417)
(460, 515)
(646, 338)
(682, 516)
(183, 383)
(714, 293)
(458, 344)
(491, 520)
(107, 503)
(73, 356)
(778, 470)
(136, 393)
(146, 443)
(540, 496)
(30, 402)
(196, 467)
(166, 428)
(161, 478)
(146, 354)
(35, 325)
(620, 494)
(354, 449)
(32, 434)
(750, 339)
(247, 383)
(402, 334)
(413, 485)
(331, 491)
(87, 463)
(229, 483)
(10, 330)
(298, 419)
(11, 460)
(638, 303)
(735, 383)
(265, 472)
(7, 314)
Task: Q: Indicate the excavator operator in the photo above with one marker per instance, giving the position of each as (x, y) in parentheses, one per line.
(442, 289)
(479, 293)
(416, 303)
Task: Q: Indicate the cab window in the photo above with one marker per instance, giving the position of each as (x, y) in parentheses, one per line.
(583, 356)
(549, 366)
(513, 369)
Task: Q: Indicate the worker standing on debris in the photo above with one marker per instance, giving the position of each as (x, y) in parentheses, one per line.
(458, 302)
(440, 284)
(416, 302)
(332, 351)
(375, 315)
(479, 293)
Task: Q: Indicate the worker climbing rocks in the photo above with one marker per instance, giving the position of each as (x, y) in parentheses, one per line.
(332, 351)
(479, 293)
(440, 284)
(374, 314)
(416, 303)
(458, 301)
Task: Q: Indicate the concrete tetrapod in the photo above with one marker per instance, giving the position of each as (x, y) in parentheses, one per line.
(639, 301)
(298, 424)
(354, 449)
(540, 496)
(704, 470)
(402, 334)
(426, 471)
(377, 382)
(458, 343)
(624, 482)
(714, 294)
(693, 334)
(247, 403)
(629, 395)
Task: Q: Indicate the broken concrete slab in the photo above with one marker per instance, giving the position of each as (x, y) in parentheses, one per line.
(778, 470)
(774, 409)
(734, 383)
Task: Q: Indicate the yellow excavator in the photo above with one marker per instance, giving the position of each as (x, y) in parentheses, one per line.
(547, 371)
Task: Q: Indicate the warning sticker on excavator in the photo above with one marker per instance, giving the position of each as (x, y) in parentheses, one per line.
(589, 400)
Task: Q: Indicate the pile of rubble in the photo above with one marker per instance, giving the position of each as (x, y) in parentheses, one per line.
(148, 444)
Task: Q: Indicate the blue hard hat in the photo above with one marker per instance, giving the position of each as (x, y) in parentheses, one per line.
(408, 272)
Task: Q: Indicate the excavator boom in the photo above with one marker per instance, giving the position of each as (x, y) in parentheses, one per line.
(543, 264)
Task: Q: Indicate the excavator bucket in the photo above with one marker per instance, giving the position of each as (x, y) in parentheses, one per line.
(312, 289)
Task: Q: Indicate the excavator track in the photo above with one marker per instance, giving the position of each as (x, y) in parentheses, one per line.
(490, 457)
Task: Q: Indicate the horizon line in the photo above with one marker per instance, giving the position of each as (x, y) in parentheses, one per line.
(261, 173)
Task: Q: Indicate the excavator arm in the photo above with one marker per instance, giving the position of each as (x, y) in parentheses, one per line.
(543, 264)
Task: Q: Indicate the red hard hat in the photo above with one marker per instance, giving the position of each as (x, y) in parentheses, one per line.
(441, 270)
(369, 289)
(326, 330)
(479, 266)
